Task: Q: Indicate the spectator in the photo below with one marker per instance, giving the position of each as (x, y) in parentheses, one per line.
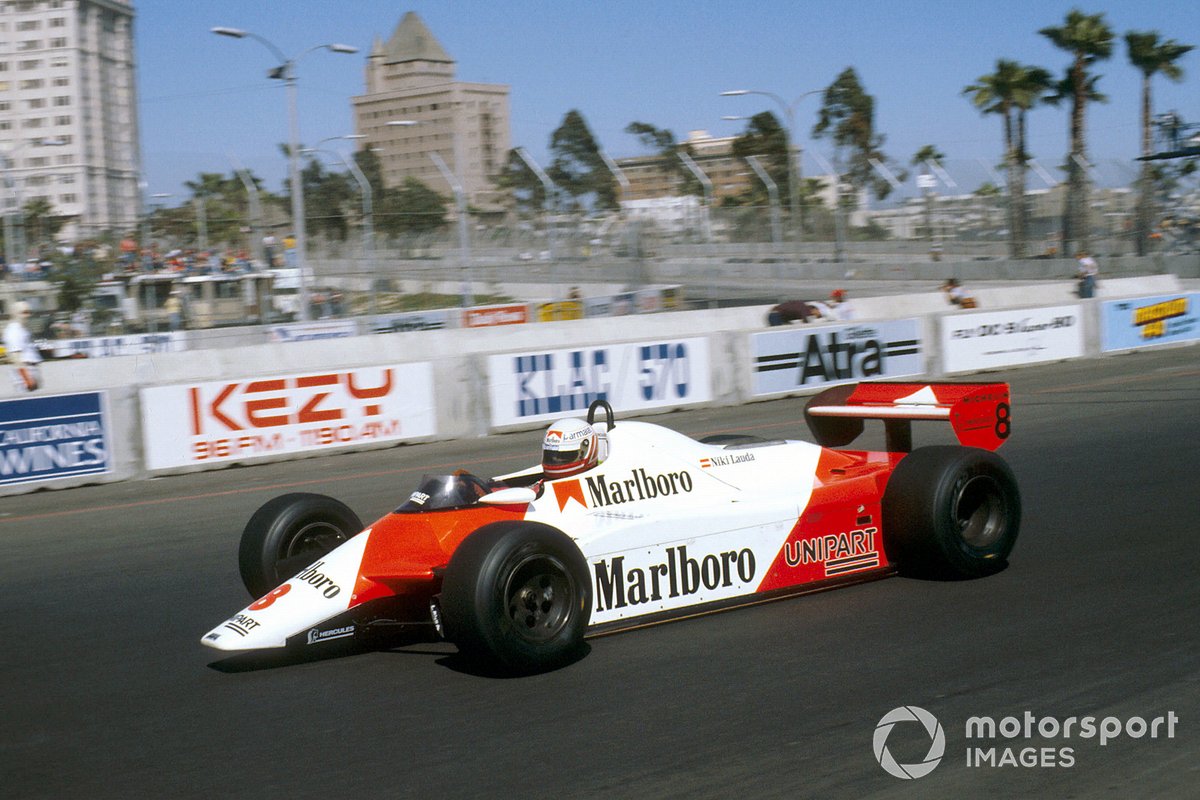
(837, 306)
(20, 349)
(289, 251)
(269, 243)
(791, 311)
(1086, 273)
(957, 295)
(174, 309)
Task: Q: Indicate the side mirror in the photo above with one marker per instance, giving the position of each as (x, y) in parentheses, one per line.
(514, 496)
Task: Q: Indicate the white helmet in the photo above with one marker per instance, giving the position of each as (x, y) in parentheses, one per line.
(571, 446)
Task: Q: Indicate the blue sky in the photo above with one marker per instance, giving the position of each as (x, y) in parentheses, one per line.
(206, 101)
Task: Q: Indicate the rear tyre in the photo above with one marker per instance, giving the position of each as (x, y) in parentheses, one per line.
(516, 597)
(287, 534)
(951, 512)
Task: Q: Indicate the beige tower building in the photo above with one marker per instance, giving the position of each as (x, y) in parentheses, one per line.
(68, 111)
(411, 79)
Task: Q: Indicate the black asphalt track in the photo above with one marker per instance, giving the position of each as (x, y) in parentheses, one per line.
(106, 692)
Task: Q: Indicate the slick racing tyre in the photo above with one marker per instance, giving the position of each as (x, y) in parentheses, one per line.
(516, 596)
(287, 534)
(951, 512)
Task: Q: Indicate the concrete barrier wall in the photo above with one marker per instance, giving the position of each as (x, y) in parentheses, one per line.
(460, 367)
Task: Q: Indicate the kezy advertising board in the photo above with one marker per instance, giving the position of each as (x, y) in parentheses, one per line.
(802, 356)
(1009, 338)
(233, 420)
(548, 384)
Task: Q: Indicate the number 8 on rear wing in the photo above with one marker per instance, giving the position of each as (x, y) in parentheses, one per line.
(979, 413)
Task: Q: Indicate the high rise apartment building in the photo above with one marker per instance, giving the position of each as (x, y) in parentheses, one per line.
(68, 111)
(410, 79)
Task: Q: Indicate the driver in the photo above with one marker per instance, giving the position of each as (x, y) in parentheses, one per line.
(572, 446)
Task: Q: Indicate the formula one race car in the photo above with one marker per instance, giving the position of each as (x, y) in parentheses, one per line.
(627, 524)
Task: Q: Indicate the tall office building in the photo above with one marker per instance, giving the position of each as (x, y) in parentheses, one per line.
(410, 79)
(68, 111)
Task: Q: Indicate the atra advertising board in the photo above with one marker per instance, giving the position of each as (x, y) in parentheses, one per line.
(984, 340)
(56, 436)
(548, 384)
(218, 421)
(801, 357)
(1148, 321)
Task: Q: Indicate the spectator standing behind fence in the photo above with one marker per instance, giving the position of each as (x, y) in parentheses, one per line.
(957, 295)
(289, 251)
(20, 349)
(174, 309)
(1086, 273)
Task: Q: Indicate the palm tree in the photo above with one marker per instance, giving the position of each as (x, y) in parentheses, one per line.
(1150, 56)
(1031, 86)
(1088, 39)
(995, 94)
(926, 158)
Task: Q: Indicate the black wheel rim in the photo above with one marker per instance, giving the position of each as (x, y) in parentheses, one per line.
(538, 598)
(314, 538)
(979, 511)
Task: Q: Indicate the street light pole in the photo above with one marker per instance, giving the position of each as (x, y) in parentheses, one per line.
(286, 72)
(793, 152)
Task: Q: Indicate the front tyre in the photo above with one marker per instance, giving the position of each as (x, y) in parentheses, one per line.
(516, 595)
(951, 512)
(287, 534)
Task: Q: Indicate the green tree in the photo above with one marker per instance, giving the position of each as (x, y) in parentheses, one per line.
(41, 224)
(411, 208)
(368, 163)
(577, 167)
(525, 188)
(1151, 56)
(847, 118)
(766, 138)
(1088, 39)
(226, 210)
(327, 195)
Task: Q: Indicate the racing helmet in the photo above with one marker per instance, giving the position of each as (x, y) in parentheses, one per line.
(571, 446)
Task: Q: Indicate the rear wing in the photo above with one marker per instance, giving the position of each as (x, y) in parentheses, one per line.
(979, 413)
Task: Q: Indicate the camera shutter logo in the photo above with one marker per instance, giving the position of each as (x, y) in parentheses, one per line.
(937, 747)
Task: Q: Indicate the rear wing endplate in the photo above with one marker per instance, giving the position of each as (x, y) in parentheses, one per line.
(979, 413)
